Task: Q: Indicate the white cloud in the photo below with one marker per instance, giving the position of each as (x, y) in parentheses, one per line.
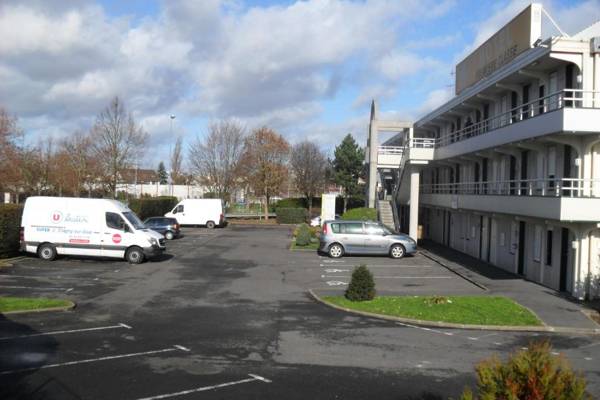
(62, 61)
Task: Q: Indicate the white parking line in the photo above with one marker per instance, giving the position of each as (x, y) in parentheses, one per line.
(35, 288)
(90, 360)
(253, 378)
(98, 328)
(425, 329)
(392, 277)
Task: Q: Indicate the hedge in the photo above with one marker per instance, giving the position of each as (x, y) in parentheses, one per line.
(291, 215)
(152, 207)
(298, 202)
(10, 222)
(361, 214)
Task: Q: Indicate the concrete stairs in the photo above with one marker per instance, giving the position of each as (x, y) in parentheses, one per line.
(386, 215)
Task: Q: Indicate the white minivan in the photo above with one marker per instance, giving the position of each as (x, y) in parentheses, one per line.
(207, 212)
(86, 227)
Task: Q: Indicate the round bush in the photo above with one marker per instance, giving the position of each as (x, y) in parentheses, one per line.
(303, 236)
(362, 285)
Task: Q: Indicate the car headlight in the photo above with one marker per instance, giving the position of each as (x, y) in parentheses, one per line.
(153, 242)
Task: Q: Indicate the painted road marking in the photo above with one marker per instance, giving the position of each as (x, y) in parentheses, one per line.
(182, 348)
(90, 360)
(331, 271)
(336, 283)
(36, 288)
(98, 328)
(393, 277)
(393, 266)
(425, 329)
(253, 378)
(333, 261)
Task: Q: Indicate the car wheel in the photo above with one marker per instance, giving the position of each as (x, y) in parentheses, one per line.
(47, 252)
(134, 255)
(169, 235)
(336, 250)
(397, 251)
(210, 224)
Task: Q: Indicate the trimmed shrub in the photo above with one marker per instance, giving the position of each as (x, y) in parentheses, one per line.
(298, 202)
(152, 207)
(361, 214)
(353, 202)
(533, 374)
(362, 285)
(291, 215)
(303, 236)
(10, 222)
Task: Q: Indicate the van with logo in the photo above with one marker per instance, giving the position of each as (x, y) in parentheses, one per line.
(208, 212)
(53, 226)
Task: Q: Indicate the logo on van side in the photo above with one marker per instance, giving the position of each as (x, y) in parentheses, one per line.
(56, 217)
(116, 238)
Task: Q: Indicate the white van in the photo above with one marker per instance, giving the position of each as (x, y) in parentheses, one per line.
(86, 227)
(207, 212)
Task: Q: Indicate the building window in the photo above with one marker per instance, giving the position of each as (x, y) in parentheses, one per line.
(549, 240)
(537, 244)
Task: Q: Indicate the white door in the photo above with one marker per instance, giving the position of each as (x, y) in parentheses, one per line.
(116, 236)
(180, 214)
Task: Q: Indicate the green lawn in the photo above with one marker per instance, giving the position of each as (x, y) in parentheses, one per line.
(312, 246)
(475, 310)
(29, 304)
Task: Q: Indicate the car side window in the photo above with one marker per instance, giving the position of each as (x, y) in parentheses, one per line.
(335, 228)
(375, 230)
(114, 220)
(352, 229)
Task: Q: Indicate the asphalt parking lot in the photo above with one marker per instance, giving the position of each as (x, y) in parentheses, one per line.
(225, 314)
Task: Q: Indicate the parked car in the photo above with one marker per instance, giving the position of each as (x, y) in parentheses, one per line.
(51, 226)
(316, 221)
(169, 227)
(358, 237)
(208, 212)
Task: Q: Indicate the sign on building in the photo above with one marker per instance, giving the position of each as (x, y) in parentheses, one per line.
(513, 39)
(328, 207)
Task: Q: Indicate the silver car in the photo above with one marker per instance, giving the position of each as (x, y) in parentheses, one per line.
(358, 237)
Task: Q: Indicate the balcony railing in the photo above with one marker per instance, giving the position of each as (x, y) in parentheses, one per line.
(568, 98)
(393, 150)
(422, 143)
(564, 187)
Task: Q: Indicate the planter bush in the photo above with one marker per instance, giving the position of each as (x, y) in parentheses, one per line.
(152, 207)
(362, 285)
(361, 214)
(291, 215)
(10, 222)
(533, 374)
(303, 236)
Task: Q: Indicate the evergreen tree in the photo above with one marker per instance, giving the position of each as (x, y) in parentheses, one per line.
(348, 167)
(163, 177)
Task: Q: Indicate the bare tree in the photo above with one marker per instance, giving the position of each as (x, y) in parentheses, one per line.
(10, 160)
(308, 165)
(176, 158)
(117, 140)
(264, 163)
(215, 159)
(80, 161)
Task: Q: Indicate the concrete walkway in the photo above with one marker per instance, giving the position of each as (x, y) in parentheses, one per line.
(554, 308)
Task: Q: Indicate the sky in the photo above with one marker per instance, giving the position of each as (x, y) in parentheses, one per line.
(307, 69)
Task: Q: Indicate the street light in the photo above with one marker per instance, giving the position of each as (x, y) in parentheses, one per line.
(172, 118)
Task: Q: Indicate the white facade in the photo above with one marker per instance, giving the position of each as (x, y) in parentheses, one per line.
(508, 171)
(156, 189)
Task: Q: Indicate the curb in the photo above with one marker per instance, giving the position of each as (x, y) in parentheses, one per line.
(437, 261)
(438, 324)
(69, 307)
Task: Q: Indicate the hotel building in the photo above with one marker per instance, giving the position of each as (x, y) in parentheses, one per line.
(508, 170)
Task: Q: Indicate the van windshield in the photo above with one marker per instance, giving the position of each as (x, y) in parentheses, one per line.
(134, 220)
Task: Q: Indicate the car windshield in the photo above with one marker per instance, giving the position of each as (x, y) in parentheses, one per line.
(134, 220)
(388, 230)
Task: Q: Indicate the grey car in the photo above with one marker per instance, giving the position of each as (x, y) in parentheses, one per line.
(359, 237)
